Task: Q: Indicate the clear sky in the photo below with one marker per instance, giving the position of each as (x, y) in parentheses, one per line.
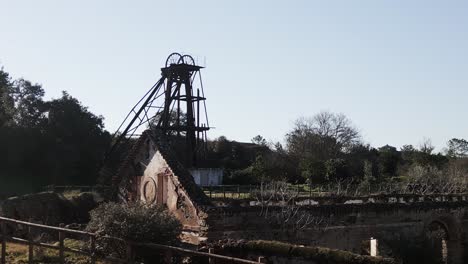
(397, 69)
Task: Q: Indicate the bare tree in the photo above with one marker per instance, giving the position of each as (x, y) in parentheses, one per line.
(337, 126)
(426, 146)
(280, 207)
(322, 136)
(430, 180)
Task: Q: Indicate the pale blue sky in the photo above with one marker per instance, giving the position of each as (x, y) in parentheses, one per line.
(397, 69)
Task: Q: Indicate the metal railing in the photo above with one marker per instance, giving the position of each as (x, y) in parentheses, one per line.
(91, 253)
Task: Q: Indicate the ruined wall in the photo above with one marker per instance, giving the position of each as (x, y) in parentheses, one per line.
(401, 223)
(274, 252)
(160, 186)
(152, 174)
(398, 224)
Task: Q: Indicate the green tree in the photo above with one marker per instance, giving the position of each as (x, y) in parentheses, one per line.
(30, 107)
(368, 171)
(6, 99)
(336, 169)
(259, 170)
(259, 140)
(79, 141)
(389, 158)
(313, 171)
(322, 137)
(457, 148)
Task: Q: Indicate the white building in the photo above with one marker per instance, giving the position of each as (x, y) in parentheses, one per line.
(207, 176)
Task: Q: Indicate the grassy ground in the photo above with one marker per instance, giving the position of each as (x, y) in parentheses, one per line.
(18, 254)
(245, 191)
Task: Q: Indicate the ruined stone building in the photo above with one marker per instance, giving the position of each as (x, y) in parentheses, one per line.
(152, 174)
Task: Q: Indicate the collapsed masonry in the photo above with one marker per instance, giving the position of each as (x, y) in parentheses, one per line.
(152, 173)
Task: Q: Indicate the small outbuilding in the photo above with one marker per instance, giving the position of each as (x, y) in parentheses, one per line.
(207, 176)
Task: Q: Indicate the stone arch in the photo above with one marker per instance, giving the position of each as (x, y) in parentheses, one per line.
(438, 229)
(449, 224)
(443, 236)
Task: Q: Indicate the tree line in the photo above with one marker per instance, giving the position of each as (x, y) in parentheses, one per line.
(59, 141)
(43, 142)
(326, 148)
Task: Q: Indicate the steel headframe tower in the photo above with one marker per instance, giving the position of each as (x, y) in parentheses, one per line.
(174, 107)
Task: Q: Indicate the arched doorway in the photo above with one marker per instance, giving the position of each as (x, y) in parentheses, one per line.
(437, 237)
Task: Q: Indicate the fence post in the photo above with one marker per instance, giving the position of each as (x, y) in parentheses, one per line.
(93, 250)
(30, 245)
(224, 192)
(210, 191)
(238, 191)
(2, 227)
(210, 260)
(61, 245)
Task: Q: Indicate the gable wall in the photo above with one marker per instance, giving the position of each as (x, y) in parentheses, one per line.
(169, 191)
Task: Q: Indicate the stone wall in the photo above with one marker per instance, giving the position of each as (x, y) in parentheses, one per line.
(400, 223)
(399, 226)
(151, 173)
(50, 208)
(274, 252)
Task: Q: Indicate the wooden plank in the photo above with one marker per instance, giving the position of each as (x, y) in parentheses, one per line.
(71, 250)
(27, 242)
(30, 246)
(50, 246)
(91, 253)
(183, 251)
(211, 260)
(69, 231)
(93, 249)
(61, 246)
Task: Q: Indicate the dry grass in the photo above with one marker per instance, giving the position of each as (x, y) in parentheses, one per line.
(69, 194)
(18, 254)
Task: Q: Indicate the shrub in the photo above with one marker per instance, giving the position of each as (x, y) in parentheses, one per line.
(133, 222)
(242, 177)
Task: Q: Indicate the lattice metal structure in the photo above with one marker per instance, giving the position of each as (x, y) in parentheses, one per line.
(174, 107)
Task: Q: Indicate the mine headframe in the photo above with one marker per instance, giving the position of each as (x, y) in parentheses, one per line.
(174, 108)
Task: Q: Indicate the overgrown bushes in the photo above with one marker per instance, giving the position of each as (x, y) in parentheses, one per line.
(132, 222)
